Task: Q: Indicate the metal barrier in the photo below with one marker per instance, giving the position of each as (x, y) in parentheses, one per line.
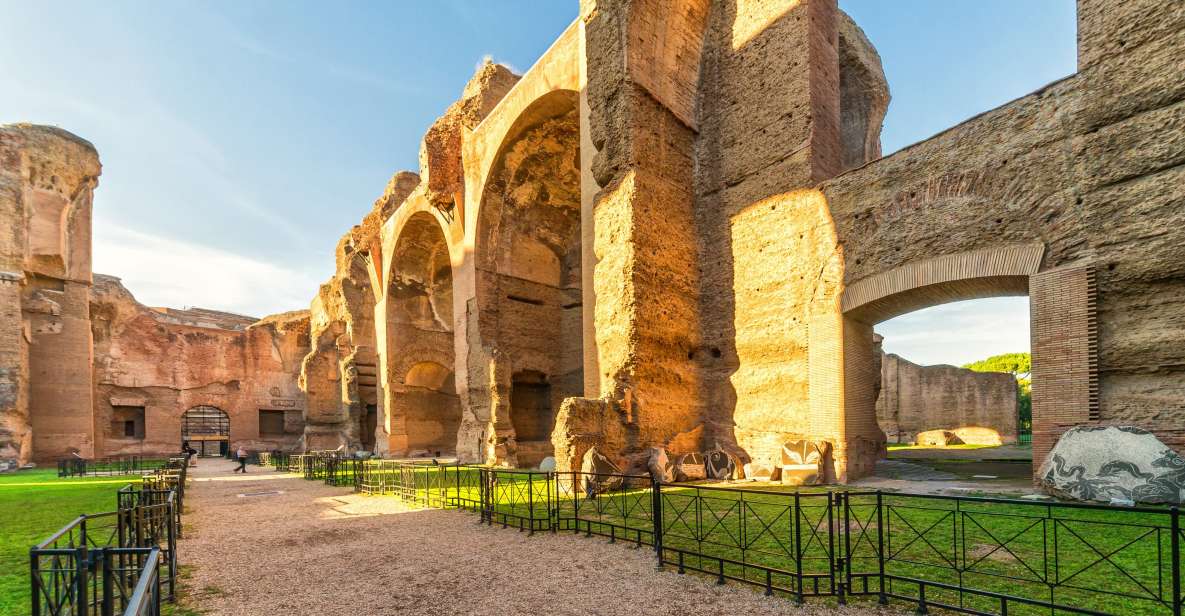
(146, 597)
(103, 467)
(94, 564)
(967, 554)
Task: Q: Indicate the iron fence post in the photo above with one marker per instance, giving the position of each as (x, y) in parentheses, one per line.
(657, 514)
(575, 502)
(1175, 525)
(172, 543)
(840, 547)
(553, 506)
(108, 606)
(35, 580)
(797, 524)
(882, 598)
(80, 578)
(531, 502)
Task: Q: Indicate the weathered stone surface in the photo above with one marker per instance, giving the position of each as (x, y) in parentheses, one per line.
(152, 365)
(721, 465)
(661, 469)
(690, 467)
(47, 182)
(598, 473)
(761, 471)
(650, 240)
(1101, 463)
(915, 399)
(804, 462)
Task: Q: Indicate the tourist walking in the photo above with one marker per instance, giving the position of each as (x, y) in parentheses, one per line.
(241, 454)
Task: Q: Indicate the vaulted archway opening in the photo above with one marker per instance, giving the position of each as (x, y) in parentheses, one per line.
(425, 411)
(528, 275)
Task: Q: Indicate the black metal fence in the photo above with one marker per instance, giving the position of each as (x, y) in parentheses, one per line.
(125, 465)
(968, 554)
(118, 562)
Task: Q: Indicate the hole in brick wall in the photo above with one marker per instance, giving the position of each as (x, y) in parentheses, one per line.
(934, 374)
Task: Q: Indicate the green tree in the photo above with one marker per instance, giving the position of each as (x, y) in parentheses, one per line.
(1020, 365)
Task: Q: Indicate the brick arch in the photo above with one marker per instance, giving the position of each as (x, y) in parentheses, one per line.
(418, 325)
(1063, 338)
(991, 272)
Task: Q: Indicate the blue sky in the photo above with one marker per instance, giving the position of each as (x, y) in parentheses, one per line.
(241, 139)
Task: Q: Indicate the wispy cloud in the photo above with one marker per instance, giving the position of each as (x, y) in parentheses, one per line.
(164, 271)
(959, 332)
(309, 62)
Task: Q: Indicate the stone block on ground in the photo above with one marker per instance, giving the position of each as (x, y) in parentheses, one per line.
(661, 469)
(690, 467)
(938, 438)
(802, 462)
(1101, 463)
(721, 465)
(598, 473)
(759, 471)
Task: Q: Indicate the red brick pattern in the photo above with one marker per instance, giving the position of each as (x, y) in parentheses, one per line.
(1065, 351)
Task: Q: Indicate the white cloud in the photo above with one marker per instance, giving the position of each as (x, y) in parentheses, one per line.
(960, 332)
(162, 271)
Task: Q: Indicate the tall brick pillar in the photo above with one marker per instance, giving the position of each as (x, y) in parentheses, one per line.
(1065, 353)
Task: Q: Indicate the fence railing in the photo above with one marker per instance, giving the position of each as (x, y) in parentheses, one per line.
(96, 564)
(146, 597)
(127, 465)
(968, 554)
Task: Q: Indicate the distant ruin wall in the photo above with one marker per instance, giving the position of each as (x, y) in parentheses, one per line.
(152, 365)
(916, 399)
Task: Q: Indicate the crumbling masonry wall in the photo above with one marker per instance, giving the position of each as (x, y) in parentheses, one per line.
(913, 399)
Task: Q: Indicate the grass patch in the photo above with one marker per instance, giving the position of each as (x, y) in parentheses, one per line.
(34, 504)
(1109, 560)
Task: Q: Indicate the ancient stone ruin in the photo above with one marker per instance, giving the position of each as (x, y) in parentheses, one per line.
(959, 405)
(674, 230)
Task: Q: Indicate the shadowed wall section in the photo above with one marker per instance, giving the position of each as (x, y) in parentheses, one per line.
(528, 268)
(425, 411)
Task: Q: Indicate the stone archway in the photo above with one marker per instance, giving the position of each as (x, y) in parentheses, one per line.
(207, 429)
(431, 409)
(528, 274)
(419, 330)
(1062, 331)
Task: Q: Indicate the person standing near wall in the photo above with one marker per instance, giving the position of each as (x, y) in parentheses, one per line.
(241, 454)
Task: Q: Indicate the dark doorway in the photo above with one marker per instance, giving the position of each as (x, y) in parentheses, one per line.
(206, 429)
(532, 416)
(369, 422)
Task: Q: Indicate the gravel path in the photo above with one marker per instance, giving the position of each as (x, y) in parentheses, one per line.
(319, 550)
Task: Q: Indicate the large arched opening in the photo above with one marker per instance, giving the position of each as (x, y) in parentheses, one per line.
(1062, 337)
(206, 429)
(358, 292)
(425, 410)
(528, 274)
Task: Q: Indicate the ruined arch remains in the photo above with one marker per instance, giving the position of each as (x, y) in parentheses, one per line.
(528, 262)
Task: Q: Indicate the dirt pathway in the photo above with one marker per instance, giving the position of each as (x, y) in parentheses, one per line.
(273, 543)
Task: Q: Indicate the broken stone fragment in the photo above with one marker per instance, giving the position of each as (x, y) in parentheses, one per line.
(598, 473)
(721, 465)
(803, 462)
(660, 466)
(690, 467)
(1103, 463)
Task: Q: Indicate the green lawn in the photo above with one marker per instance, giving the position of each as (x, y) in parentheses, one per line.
(34, 504)
(1114, 561)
